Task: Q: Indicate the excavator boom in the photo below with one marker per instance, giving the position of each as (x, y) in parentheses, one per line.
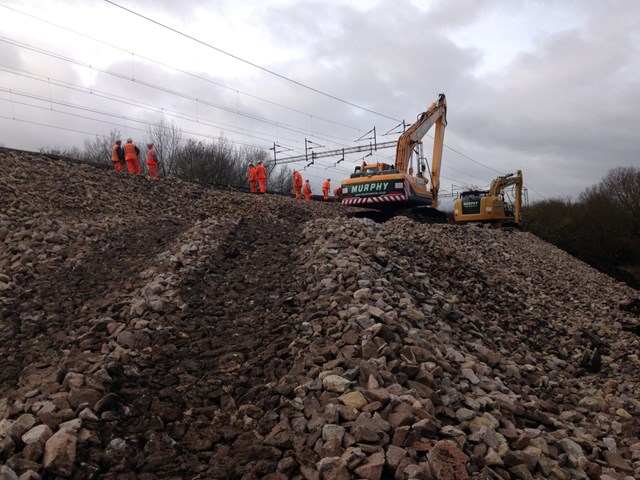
(435, 114)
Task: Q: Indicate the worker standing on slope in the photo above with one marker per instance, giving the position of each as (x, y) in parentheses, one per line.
(253, 179)
(261, 175)
(326, 186)
(337, 193)
(152, 161)
(297, 184)
(131, 153)
(117, 156)
(307, 190)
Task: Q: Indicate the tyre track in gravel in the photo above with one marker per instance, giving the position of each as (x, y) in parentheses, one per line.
(59, 293)
(215, 359)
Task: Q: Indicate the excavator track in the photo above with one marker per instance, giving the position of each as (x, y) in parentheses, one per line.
(420, 214)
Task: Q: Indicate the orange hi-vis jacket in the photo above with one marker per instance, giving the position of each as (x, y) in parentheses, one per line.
(253, 175)
(114, 153)
(261, 173)
(297, 180)
(152, 156)
(326, 186)
(130, 151)
(307, 188)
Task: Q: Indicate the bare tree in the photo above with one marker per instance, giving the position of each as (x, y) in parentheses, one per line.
(621, 186)
(281, 180)
(73, 152)
(168, 140)
(601, 228)
(96, 150)
(99, 149)
(215, 163)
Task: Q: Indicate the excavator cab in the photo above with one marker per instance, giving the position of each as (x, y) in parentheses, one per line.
(373, 169)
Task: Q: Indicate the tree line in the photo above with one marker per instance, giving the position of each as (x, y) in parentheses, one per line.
(217, 162)
(602, 227)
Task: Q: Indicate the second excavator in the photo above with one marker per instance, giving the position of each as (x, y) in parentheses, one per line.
(501, 205)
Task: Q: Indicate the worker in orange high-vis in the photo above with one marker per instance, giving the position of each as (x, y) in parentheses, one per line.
(307, 190)
(297, 184)
(131, 153)
(117, 156)
(253, 179)
(153, 159)
(326, 187)
(261, 175)
(337, 193)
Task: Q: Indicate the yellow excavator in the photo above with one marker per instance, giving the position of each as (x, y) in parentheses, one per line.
(500, 205)
(393, 189)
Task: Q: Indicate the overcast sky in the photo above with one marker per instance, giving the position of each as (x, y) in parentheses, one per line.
(546, 86)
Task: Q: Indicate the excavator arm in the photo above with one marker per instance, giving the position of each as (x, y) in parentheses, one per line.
(500, 183)
(435, 114)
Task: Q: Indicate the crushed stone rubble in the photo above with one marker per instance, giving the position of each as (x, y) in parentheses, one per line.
(169, 330)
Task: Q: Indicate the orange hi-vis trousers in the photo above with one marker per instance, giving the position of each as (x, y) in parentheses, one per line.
(133, 166)
(153, 170)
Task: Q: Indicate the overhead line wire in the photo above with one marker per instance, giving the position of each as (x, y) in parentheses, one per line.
(102, 120)
(295, 82)
(53, 126)
(135, 103)
(474, 161)
(169, 91)
(213, 82)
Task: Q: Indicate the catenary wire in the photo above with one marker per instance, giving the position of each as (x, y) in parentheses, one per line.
(107, 122)
(295, 82)
(200, 77)
(127, 101)
(169, 91)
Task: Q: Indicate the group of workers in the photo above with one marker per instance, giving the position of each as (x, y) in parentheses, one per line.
(129, 153)
(300, 187)
(257, 178)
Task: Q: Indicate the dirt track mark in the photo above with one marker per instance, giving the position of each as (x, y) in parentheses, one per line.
(217, 355)
(60, 293)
